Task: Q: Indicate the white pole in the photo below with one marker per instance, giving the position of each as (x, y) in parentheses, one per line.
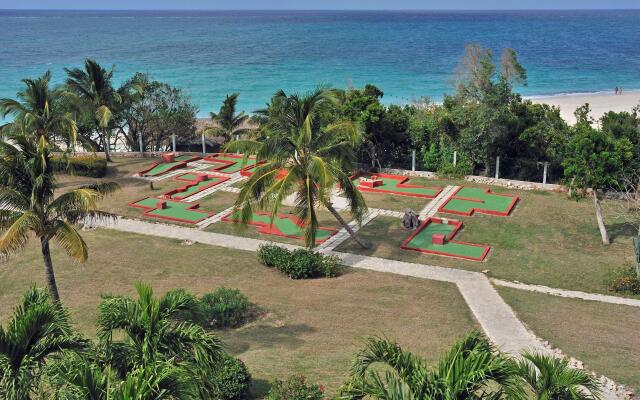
(204, 148)
(455, 158)
(544, 174)
(497, 167)
(173, 139)
(413, 160)
(140, 142)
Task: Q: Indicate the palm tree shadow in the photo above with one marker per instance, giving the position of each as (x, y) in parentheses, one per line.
(265, 336)
(622, 230)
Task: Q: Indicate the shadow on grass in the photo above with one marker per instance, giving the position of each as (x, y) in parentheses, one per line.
(264, 336)
(622, 230)
(259, 388)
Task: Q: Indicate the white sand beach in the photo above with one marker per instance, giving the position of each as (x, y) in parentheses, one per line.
(600, 103)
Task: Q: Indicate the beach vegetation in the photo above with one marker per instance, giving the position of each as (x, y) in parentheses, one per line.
(229, 123)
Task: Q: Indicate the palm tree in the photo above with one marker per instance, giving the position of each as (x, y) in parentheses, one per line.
(551, 378)
(38, 331)
(229, 123)
(471, 370)
(28, 204)
(155, 330)
(93, 86)
(38, 110)
(304, 156)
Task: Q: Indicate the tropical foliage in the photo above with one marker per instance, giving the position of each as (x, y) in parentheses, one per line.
(228, 123)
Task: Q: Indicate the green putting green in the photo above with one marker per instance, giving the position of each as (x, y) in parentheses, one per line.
(184, 157)
(422, 241)
(400, 185)
(162, 167)
(283, 225)
(174, 210)
(237, 166)
(196, 188)
(468, 199)
(188, 177)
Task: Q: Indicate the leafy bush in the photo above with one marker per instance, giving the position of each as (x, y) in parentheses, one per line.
(224, 308)
(91, 166)
(300, 263)
(295, 387)
(231, 379)
(625, 280)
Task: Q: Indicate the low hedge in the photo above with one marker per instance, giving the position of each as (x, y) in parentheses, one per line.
(299, 263)
(295, 387)
(91, 166)
(231, 379)
(224, 308)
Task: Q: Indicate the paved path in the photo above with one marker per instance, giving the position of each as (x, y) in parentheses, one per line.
(434, 205)
(572, 294)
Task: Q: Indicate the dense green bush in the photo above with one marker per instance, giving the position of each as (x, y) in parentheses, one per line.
(91, 166)
(231, 379)
(625, 280)
(295, 387)
(300, 263)
(224, 308)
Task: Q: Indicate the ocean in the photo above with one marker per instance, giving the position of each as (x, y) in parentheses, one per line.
(408, 54)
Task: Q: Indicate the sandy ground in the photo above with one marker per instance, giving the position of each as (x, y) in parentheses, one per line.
(600, 103)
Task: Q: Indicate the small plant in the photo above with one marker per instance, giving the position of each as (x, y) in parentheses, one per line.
(231, 379)
(295, 387)
(224, 308)
(624, 280)
(300, 263)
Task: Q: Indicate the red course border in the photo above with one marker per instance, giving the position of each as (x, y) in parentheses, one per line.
(401, 183)
(506, 213)
(272, 229)
(194, 207)
(193, 183)
(181, 164)
(405, 243)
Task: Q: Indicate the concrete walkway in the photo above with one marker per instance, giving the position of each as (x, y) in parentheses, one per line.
(434, 205)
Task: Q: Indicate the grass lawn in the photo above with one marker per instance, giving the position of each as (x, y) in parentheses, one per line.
(394, 202)
(311, 327)
(548, 239)
(603, 336)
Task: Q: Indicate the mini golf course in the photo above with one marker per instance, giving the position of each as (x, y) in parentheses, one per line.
(229, 163)
(393, 184)
(169, 163)
(171, 210)
(283, 225)
(468, 200)
(197, 183)
(435, 236)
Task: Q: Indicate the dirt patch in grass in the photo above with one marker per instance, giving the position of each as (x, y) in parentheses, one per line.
(312, 327)
(603, 336)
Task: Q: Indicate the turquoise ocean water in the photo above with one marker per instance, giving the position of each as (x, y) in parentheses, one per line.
(407, 54)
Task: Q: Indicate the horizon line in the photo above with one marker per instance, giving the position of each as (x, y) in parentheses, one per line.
(322, 9)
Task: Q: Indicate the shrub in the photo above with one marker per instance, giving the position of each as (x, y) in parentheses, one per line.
(300, 263)
(231, 379)
(224, 308)
(91, 166)
(625, 280)
(295, 387)
(272, 255)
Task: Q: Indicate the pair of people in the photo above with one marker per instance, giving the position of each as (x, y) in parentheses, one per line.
(618, 90)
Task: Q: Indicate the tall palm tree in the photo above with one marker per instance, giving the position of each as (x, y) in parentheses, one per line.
(154, 330)
(39, 111)
(304, 156)
(38, 331)
(230, 124)
(28, 204)
(471, 370)
(93, 86)
(551, 378)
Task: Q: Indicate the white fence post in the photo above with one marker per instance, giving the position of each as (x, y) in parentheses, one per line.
(413, 160)
(140, 142)
(498, 167)
(204, 148)
(455, 158)
(173, 140)
(544, 174)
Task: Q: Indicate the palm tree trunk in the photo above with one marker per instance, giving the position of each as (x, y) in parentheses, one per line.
(105, 143)
(48, 270)
(365, 244)
(601, 226)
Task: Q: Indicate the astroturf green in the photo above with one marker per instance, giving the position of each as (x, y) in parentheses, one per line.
(189, 177)
(423, 240)
(392, 185)
(234, 167)
(173, 210)
(489, 202)
(162, 167)
(184, 158)
(195, 188)
(286, 226)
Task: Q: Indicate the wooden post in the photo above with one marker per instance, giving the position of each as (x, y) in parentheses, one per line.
(544, 174)
(498, 167)
(413, 160)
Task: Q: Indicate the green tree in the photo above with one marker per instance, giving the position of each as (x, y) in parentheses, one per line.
(28, 204)
(39, 110)
(594, 161)
(304, 158)
(39, 331)
(149, 330)
(93, 87)
(472, 369)
(229, 124)
(550, 378)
